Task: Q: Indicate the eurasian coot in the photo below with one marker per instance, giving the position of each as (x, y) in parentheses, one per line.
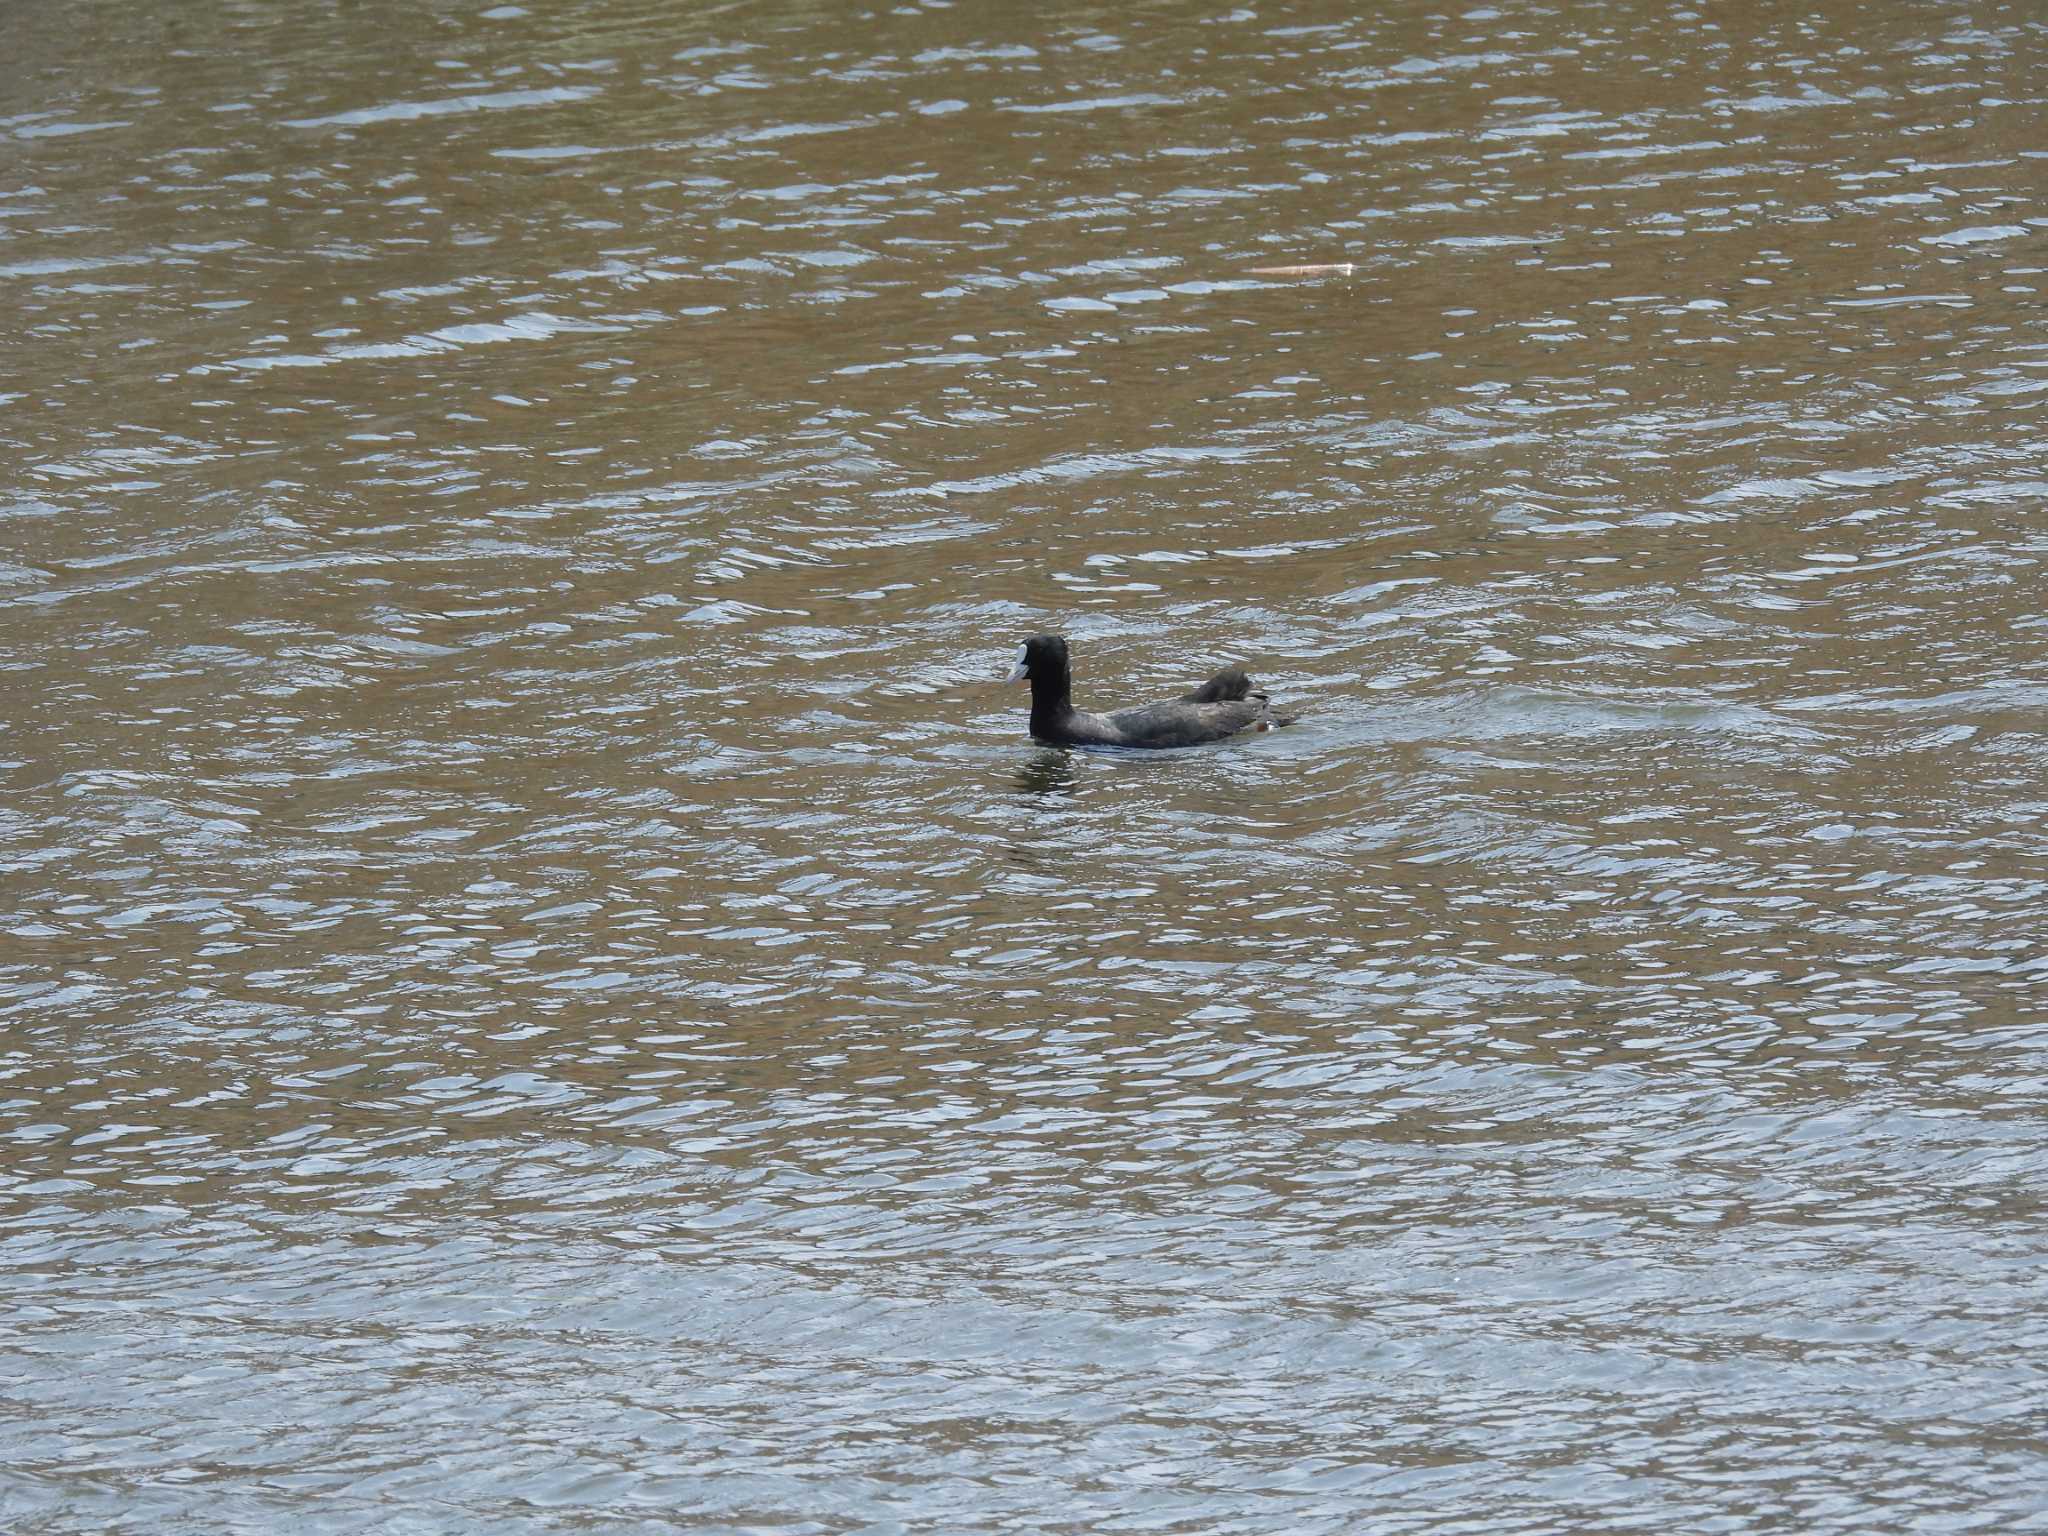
(1221, 707)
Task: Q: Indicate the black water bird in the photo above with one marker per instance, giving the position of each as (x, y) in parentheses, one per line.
(1223, 706)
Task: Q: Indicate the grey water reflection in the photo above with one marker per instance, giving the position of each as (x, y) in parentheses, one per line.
(543, 988)
(1049, 771)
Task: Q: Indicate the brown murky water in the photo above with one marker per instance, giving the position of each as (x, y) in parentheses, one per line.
(544, 988)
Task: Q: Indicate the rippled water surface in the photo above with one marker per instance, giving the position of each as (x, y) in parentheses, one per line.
(544, 987)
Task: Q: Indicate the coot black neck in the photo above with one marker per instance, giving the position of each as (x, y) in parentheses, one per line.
(1052, 696)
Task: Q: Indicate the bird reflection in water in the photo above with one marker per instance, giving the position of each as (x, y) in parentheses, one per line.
(1048, 771)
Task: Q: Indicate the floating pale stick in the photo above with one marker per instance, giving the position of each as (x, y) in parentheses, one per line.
(1341, 267)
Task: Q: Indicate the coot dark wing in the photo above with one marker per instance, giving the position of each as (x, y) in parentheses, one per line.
(1182, 724)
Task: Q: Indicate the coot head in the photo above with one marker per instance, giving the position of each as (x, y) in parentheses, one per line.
(1043, 660)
